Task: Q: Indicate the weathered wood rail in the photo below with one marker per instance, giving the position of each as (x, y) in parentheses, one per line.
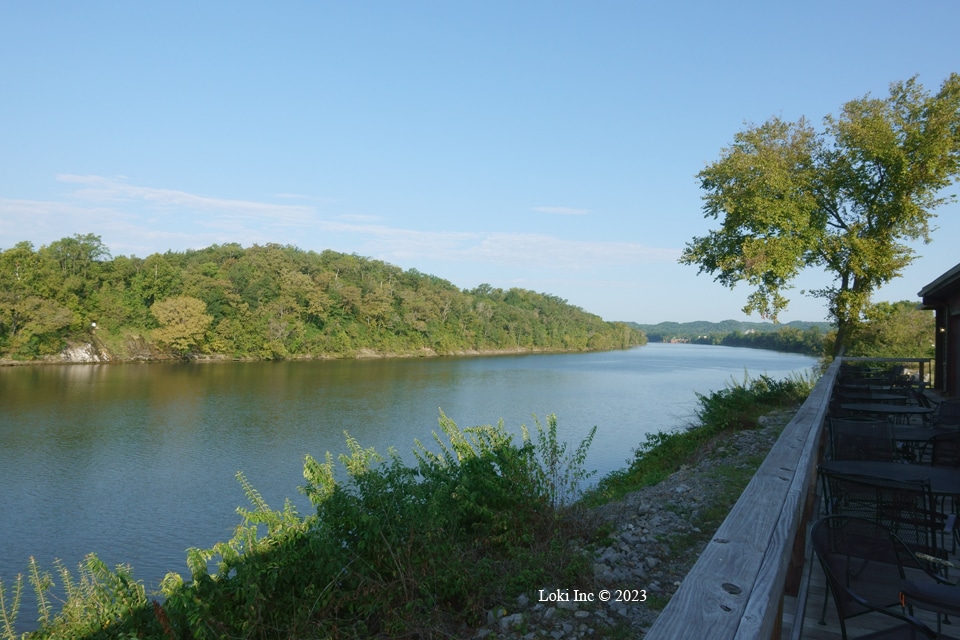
(736, 588)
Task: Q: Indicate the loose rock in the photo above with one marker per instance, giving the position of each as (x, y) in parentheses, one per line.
(639, 556)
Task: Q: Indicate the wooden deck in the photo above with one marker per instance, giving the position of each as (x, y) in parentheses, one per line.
(812, 601)
(812, 594)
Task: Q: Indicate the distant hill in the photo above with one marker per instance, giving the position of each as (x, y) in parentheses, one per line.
(669, 330)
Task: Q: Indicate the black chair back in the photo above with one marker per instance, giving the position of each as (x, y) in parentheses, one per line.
(948, 415)
(905, 507)
(862, 564)
(945, 449)
(853, 439)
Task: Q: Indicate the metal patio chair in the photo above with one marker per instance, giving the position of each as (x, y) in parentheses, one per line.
(870, 570)
(861, 439)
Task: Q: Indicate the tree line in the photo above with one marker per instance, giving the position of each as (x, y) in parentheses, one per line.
(886, 330)
(788, 339)
(665, 331)
(268, 302)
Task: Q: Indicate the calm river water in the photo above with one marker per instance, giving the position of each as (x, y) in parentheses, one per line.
(137, 462)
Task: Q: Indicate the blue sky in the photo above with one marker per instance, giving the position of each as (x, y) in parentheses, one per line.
(545, 145)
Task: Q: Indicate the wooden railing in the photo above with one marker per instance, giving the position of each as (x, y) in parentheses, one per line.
(736, 588)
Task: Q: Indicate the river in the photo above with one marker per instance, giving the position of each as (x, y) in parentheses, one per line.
(136, 462)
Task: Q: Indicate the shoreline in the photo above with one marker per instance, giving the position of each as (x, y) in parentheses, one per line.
(362, 354)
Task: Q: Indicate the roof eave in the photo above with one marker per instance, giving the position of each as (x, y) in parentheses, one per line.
(932, 290)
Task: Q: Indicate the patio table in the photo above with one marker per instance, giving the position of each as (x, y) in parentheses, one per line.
(886, 410)
(873, 397)
(944, 481)
(908, 433)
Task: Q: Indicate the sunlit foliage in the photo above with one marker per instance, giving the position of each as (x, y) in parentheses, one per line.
(269, 302)
(846, 199)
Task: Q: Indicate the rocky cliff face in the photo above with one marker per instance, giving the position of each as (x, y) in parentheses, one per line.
(134, 348)
(84, 352)
(139, 349)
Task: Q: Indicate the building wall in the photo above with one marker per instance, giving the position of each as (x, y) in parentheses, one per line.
(952, 345)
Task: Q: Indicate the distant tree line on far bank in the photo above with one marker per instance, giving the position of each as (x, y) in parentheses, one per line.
(268, 302)
(886, 330)
(788, 339)
(794, 337)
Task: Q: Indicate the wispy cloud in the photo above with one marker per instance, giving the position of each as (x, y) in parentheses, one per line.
(142, 220)
(500, 248)
(358, 217)
(562, 211)
(547, 250)
(125, 232)
(101, 190)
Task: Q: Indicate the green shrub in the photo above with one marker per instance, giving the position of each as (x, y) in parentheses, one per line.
(98, 603)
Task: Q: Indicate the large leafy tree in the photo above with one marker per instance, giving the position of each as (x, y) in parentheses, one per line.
(845, 199)
(183, 322)
(31, 322)
(894, 330)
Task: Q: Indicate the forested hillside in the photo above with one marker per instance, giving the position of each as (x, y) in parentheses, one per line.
(667, 330)
(267, 302)
(795, 337)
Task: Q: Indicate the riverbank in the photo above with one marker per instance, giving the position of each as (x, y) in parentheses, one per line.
(654, 537)
(89, 353)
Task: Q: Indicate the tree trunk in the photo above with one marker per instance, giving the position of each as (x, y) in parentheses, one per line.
(838, 345)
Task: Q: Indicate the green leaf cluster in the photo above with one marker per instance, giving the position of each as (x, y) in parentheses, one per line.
(96, 603)
(268, 302)
(894, 330)
(846, 199)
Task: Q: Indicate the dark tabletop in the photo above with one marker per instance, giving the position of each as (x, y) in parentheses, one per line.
(906, 433)
(890, 409)
(943, 480)
(871, 397)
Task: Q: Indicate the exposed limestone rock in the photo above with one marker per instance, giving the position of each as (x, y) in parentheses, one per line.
(83, 352)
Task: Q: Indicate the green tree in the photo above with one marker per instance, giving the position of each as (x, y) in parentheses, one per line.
(34, 324)
(31, 322)
(845, 199)
(894, 330)
(76, 255)
(183, 322)
(156, 278)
